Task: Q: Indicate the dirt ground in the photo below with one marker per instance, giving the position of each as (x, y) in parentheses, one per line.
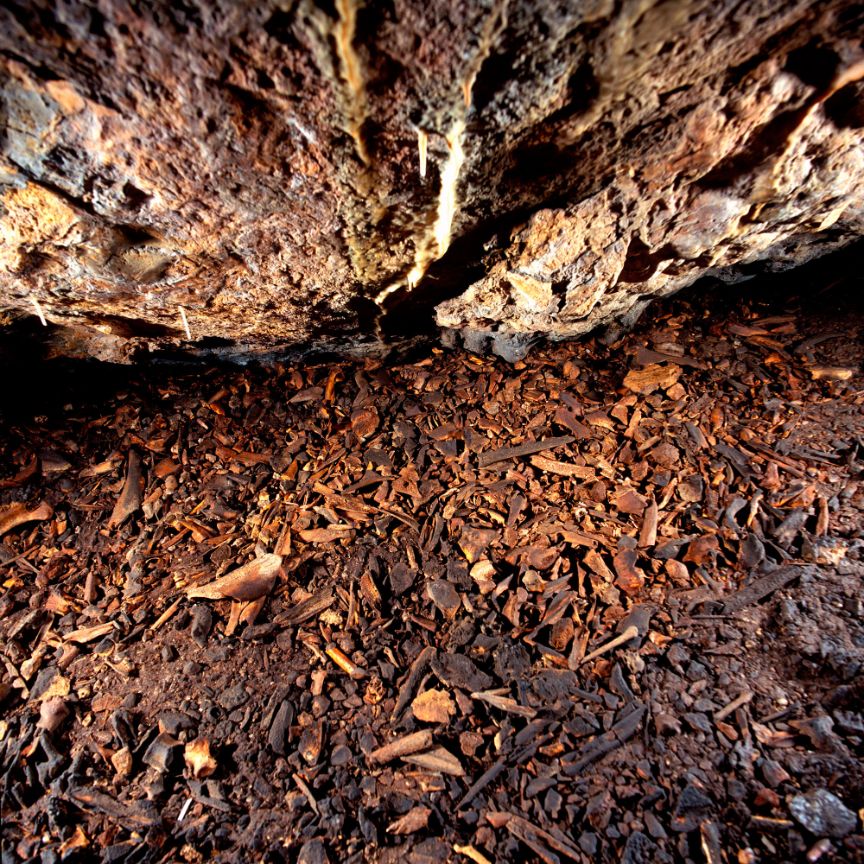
(602, 605)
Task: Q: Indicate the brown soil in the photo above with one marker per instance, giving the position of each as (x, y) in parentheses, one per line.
(420, 676)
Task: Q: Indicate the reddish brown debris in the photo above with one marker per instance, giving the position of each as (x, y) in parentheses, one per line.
(602, 605)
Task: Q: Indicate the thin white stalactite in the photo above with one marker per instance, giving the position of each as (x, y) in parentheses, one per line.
(38, 307)
(422, 141)
(449, 182)
(185, 321)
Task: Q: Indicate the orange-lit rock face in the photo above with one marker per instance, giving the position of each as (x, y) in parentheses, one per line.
(259, 165)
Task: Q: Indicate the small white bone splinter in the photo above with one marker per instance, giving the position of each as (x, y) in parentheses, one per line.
(185, 321)
(37, 306)
(422, 139)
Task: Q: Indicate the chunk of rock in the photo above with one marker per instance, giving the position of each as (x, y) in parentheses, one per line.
(823, 814)
(457, 670)
(163, 753)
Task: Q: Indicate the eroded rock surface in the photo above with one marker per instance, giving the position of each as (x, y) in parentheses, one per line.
(284, 174)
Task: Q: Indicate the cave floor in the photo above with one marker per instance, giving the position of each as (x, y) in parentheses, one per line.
(602, 605)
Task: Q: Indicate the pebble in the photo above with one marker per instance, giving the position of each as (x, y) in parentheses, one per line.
(277, 735)
(202, 623)
(692, 807)
(655, 829)
(639, 849)
(773, 773)
(163, 752)
(341, 755)
(233, 697)
(444, 596)
(666, 724)
(698, 722)
(313, 852)
(823, 814)
(173, 722)
(588, 842)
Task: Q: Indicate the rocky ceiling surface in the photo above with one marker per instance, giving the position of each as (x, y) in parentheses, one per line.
(250, 177)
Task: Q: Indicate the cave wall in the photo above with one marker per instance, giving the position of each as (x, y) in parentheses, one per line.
(289, 174)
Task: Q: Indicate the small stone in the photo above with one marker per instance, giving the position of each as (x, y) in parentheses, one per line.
(735, 789)
(233, 697)
(698, 722)
(52, 713)
(773, 773)
(444, 596)
(173, 722)
(766, 796)
(163, 753)
(691, 488)
(341, 755)
(262, 787)
(202, 623)
(588, 842)
(655, 829)
(433, 706)
(692, 807)
(639, 849)
(823, 814)
(457, 670)
(820, 731)
(401, 578)
(666, 724)
(278, 733)
(469, 742)
(313, 852)
(122, 762)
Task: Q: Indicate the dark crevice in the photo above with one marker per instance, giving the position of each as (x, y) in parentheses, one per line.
(813, 64)
(263, 80)
(739, 73)
(845, 109)
(367, 313)
(850, 20)
(412, 313)
(135, 197)
(665, 97)
(73, 200)
(583, 89)
(130, 328)
(534, 182)
(130, 236)
(788, 39)
(765, 141)
(28, 16)
(38, 70)
(641, 263)
(497, 68)
(251, 115)
(97, 24)
(279, 26)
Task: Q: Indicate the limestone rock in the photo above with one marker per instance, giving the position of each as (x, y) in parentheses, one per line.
(249, 177)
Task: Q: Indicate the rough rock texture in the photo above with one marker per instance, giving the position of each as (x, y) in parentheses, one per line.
(258, 167)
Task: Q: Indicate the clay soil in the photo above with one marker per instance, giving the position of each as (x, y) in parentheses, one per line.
(602, 605)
